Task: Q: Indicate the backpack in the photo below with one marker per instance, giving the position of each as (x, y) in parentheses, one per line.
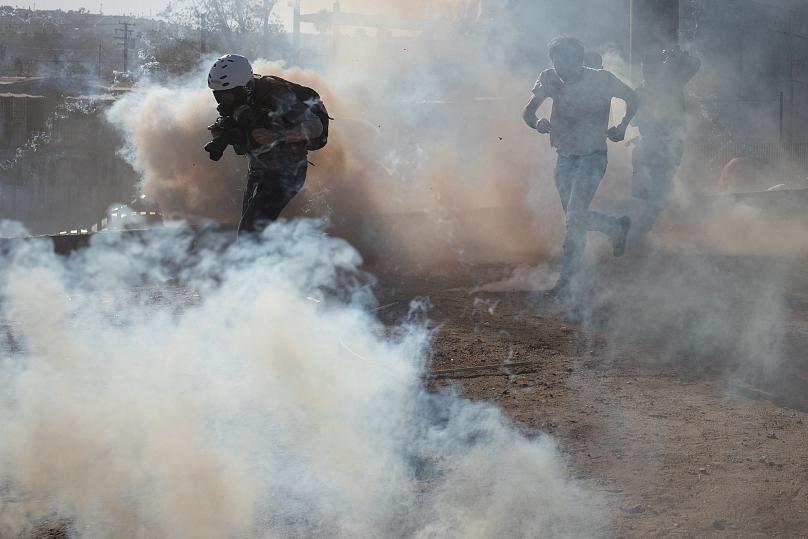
(312, 99)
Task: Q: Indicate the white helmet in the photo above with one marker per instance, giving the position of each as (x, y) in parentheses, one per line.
(230, 71)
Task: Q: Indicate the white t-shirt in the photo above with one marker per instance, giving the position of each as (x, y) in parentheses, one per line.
(580, 116)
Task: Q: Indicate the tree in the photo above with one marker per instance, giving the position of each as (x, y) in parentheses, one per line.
(169, 54)
(248, 26)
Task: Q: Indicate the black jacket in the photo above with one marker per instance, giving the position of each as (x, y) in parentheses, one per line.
(273, 97)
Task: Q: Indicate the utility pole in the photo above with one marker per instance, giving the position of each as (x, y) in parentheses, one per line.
(296, 25)
(202, 24)
(631, 42)
(266, 19)
(781, 118)
(100, 48)
(296, 31)
(798, 14)
(335, 28)
(124, 38)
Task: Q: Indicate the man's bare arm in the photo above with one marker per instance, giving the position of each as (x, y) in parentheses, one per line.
(529, 112)
(632, 102)
(622, 91)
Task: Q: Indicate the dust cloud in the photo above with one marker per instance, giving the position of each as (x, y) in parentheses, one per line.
(165, 129)
(428, 161)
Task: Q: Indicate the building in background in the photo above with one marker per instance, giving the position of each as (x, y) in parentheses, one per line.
(753, 86)
(67, 43)
(22, 117)
(750, 99)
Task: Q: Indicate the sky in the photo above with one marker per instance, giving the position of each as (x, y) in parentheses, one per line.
(145, 7)
(111, 7)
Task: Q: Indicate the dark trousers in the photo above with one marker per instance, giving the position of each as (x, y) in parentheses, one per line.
(577, 179)
(270, 188)
(655, 161)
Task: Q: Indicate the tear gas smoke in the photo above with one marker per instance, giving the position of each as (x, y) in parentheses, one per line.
(427, 159)
(736, 227)
(230, 405)
(705, 311)
(166, 128)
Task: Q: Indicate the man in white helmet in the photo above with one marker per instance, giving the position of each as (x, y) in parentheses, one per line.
(275, 122)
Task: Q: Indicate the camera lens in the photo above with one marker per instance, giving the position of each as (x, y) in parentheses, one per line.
(215, 149)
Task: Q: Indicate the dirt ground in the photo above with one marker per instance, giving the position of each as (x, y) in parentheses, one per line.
(680, 447)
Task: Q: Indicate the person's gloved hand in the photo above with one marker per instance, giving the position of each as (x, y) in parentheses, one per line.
(543, 126)
(215, 129)
(616, 133)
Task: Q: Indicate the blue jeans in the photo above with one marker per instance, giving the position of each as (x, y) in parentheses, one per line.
(577, 179)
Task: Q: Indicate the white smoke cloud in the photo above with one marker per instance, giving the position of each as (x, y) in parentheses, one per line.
(253, 396)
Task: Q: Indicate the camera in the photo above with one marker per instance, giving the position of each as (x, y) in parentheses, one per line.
(231, 130)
